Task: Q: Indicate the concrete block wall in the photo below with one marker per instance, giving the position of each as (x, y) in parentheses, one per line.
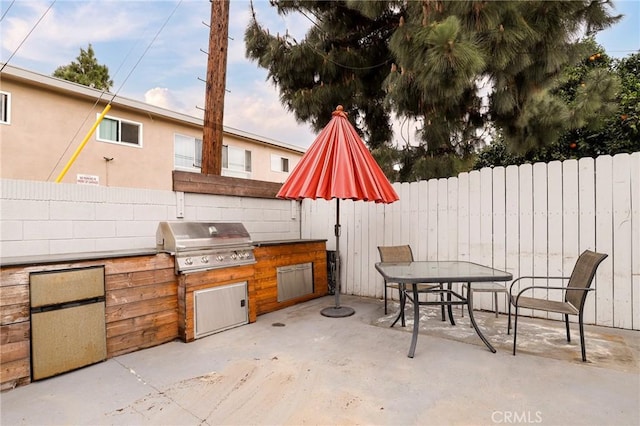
(44, 218)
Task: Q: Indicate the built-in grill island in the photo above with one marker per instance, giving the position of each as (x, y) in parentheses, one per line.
(141, 298)
(214, 264)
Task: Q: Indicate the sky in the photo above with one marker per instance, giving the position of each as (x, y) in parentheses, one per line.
(155, 52)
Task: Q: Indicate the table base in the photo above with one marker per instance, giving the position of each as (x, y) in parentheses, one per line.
(461, 300)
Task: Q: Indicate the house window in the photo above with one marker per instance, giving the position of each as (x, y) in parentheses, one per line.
(5, 108)
(279, 164)
(187, 153)
(236, 162)
(117, 130)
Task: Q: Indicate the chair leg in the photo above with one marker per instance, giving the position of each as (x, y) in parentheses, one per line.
(509, 315)
(495, 302)
(584, 350)
(515, 330)
(566, 322)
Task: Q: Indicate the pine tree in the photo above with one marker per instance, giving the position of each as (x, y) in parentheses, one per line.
(339, 63)
(461, 68)
(86, 71)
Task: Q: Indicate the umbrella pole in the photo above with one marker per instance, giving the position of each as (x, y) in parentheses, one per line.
(337, 311)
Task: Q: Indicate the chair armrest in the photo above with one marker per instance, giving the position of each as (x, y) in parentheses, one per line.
(534, 277)
(548, 288)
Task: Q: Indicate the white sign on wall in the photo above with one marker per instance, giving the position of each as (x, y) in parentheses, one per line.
(87, 179)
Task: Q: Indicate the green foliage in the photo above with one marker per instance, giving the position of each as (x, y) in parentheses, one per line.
(597, 128)
(461, 68)
(625, 125)
(86, 71)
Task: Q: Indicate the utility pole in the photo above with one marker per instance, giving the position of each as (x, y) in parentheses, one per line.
(215, 88)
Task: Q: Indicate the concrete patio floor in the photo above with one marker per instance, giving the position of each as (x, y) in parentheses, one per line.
(296, 367)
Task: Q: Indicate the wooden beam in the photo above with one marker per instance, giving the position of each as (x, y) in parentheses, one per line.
(223, 185)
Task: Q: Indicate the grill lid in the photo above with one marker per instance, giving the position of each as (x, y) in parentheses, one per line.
(200, 246)
(176, 237)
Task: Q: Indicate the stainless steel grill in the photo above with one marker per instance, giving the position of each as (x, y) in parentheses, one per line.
(200, 246)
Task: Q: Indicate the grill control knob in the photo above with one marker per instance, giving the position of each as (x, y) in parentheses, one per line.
(188, 261)
(205, 259)
(219, 258)
(234, 256)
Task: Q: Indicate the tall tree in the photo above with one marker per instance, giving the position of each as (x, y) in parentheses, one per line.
(86, 71)
(460, 68)
(343, 60)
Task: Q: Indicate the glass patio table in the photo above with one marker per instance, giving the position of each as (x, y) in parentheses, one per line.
(439, 272)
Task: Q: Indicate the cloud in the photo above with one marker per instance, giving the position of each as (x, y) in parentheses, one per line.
(162, 97)
(189, 101)
(258, 110)
(54, 35)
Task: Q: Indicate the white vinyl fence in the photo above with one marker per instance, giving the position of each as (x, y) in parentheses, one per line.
(529, 220)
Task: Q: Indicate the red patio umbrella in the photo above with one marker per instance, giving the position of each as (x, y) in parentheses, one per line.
(338, 165)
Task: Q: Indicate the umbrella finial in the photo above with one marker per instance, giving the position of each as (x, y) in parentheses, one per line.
(339, 111)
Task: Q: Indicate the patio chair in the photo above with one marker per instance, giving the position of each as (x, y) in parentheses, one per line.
(487, 287)
(575, 294)
(402, 254)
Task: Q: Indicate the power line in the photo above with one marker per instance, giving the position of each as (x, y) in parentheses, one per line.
(325, 56)
(116, 93)
(28, 34)
(147, 49)
(104, 91)
(76, 134)
(7, 11)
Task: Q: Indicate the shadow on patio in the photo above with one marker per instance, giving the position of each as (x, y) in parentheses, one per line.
(606, 347)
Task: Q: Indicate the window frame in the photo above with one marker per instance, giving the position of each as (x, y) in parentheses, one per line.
(194, 168)
(247, 160)
(120, 121)
(6, 107)
(281, 161)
